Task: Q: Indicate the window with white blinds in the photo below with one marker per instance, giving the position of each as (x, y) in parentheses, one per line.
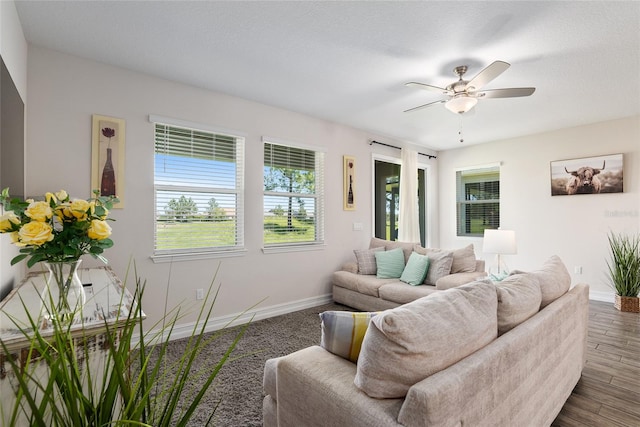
(198, 179)
(293, 195)
(478, 200)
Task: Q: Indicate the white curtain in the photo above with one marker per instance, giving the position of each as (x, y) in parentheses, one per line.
(408, 222)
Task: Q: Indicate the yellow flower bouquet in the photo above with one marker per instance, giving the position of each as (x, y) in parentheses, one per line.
(57, 229)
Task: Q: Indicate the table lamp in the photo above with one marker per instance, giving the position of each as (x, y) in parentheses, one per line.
(500, 242)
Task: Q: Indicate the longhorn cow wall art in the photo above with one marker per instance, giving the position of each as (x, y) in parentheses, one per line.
(589, 175)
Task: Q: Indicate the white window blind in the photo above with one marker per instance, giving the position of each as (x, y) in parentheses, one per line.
(478, 200)
(198, 177)
(293, 195)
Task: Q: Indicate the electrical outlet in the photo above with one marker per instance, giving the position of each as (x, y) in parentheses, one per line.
(577, 269)
(199, 293)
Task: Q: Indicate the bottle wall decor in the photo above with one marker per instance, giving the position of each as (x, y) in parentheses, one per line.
(349, 197)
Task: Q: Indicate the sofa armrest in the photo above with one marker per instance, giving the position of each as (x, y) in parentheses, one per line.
(315, 388)
(269, 377)
(351, 267)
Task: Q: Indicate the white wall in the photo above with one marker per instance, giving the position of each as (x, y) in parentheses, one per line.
(13, 46)
(13, 49)
(573, 227)
(64, 91)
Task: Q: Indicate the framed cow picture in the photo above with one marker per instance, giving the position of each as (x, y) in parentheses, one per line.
(588, 175)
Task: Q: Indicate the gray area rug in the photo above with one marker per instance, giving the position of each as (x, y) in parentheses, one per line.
(238, 387)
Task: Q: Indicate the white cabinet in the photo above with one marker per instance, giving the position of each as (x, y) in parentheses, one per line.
(108, 303)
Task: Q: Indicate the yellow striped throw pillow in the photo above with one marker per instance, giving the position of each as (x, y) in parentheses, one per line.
(343, 332)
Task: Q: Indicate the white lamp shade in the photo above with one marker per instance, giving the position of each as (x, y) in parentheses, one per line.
(499, 242)
(460, 104)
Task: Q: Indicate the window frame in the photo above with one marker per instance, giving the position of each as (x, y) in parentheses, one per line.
(237, 249)
(318, 195)
(461, 200)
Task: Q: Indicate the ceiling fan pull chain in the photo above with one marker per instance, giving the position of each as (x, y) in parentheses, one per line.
(460, 131)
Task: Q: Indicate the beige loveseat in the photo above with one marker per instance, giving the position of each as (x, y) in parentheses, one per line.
(482, 354)
(365, 291)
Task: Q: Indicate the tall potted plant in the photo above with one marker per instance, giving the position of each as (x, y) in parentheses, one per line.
(624, 270)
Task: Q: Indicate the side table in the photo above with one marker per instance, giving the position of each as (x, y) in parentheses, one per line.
(108, 304)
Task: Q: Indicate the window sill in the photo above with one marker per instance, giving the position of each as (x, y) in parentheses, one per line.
(157, 259)
(293, 248)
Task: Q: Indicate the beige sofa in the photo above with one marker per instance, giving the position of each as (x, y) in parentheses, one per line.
(370, 293)
(522, 377)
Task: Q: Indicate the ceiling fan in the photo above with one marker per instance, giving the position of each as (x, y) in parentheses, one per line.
(463, 95)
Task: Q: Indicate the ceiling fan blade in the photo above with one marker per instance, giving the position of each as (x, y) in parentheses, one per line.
(512, 92)
(485, 76)
(431, 88)
(420, 107)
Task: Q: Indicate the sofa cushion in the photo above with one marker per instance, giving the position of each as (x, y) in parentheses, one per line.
(367, 260)
(366, 284)
(402, 293)
(343, 331)
(458, 279)
(439, 263)
(416, 269)
(464, 260)
(409, 343)
(407, 247)
(519, 298)
(390, 263)
(553, 278)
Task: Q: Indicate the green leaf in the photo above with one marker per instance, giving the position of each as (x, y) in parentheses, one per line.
(18, 258)
(36, 258)
(106, 243)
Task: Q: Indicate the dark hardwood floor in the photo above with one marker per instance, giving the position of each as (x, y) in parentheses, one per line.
(608, 393)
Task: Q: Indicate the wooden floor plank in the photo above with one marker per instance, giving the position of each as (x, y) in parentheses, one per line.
(631, 384)
(633, 362)
(619, 416)
(629, 352)
(608, 394)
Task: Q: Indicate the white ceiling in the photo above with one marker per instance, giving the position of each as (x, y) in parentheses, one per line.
(348, 61)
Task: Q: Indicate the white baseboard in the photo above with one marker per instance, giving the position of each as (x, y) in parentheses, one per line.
(186, 330)
(602, 296)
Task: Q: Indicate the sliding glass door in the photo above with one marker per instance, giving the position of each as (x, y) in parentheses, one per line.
(387, 200)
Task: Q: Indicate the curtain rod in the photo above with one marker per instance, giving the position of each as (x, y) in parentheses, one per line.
(431, 156)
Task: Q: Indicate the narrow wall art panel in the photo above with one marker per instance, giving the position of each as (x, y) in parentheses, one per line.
(588, 175)
(349, 192)
(107, 157)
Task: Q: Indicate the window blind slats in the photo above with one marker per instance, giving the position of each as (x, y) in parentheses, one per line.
(293, 195)
(478, 200)
(281, 156)
(199, 180)
(174, 141)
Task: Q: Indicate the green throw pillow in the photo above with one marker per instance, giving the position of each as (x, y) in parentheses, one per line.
(343, 332)
(390, 264)
(416, 269)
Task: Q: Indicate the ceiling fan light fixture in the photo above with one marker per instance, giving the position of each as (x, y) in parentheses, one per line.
(460, 104)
